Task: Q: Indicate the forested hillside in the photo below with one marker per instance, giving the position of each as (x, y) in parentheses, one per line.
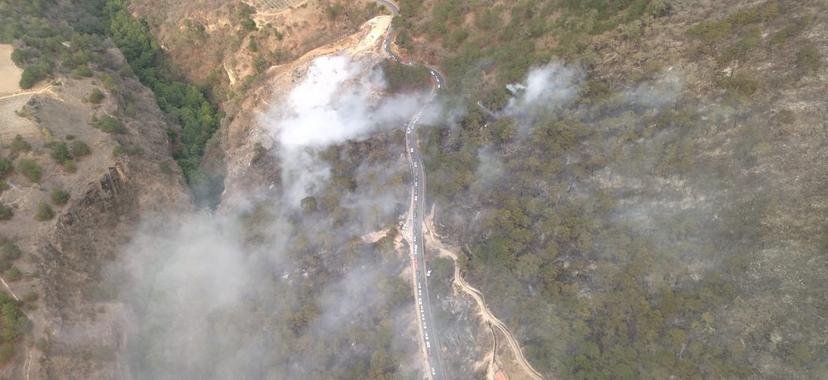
(637, 191)
(70, 37)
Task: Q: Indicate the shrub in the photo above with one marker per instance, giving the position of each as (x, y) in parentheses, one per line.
(130, 150)
(60, 197)
(9, 251)
(6, 167)
(3, 186)
(741, 84)
(96, 97)
(19, 145)
(248, 25)
(808, 60)
(309, 204)
(80, 149)
(30, 169)
(44, 212)
(108, 124)
(13, 274)
(165, 168)
(6, 212)
(711, 31)
(82, 71)
(60, 152)
(69, 166)
(333, 11)
(30, 297)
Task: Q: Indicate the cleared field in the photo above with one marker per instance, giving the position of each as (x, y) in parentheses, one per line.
(9, 72)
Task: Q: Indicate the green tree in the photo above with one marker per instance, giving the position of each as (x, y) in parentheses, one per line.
(33, 74)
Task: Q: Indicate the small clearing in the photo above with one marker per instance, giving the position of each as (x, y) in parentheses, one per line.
(9, 72)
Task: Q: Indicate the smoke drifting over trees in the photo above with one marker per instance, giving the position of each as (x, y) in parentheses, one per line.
(283, 286)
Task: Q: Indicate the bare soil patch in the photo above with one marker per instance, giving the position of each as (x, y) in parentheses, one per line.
(9, 72)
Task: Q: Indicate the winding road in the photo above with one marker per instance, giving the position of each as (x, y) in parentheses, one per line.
(421, 272)
(430, 342)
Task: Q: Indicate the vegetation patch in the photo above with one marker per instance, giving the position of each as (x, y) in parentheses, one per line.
(6, 212)
(30, 169)
(79, 149)
(186, 103)
(96, 97)
(19, 145)
(400, 77)
(108, 124)
(6, 167)
(60, 197)
(44, 212)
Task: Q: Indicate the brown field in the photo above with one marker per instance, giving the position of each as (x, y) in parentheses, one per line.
(9, 72)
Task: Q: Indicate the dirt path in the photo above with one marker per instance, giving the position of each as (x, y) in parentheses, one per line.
(31, 92)
(485, 313)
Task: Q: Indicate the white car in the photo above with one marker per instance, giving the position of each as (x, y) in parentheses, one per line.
(428, 274)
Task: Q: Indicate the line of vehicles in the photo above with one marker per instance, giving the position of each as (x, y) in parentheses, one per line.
(434, 365)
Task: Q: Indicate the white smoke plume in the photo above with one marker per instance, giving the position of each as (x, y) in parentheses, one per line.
(339, 99)
(663, 90)
(546, 88)
(206, 303)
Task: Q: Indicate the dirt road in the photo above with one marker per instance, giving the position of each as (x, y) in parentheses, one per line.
(486, 314)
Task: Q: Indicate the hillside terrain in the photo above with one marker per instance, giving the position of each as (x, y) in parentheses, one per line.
(597, 189)
(79, 171)
(653, 211)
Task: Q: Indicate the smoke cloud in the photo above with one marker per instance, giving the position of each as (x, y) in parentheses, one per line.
(546, 88)
(339, 99)
(270, 289)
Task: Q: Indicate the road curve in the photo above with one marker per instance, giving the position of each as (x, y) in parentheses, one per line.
(429, 338)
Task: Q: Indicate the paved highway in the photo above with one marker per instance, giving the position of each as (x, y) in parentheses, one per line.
(430, 341)
(421, 271)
